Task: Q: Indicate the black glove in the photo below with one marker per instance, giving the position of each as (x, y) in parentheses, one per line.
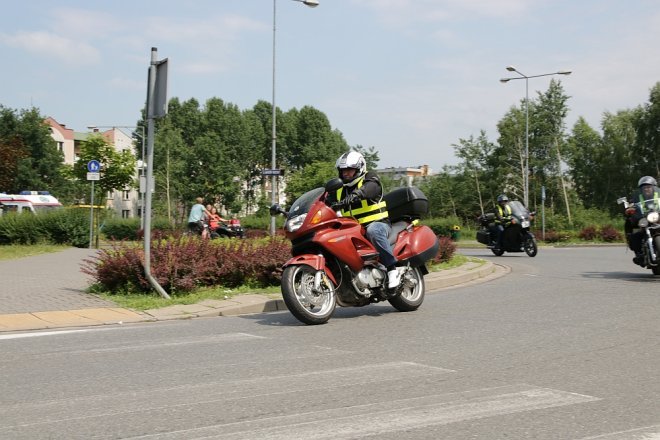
(352, 198)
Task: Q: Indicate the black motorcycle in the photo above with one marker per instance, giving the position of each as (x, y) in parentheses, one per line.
(516, 236)
(224, 230)
(649, 224)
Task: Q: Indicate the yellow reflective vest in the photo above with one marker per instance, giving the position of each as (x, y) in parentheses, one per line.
(502, 213)
(362, 211)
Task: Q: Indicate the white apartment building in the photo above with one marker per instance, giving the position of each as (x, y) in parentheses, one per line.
(125, 202)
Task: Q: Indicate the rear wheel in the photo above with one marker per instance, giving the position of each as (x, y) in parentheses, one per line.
(412, 293)
(531, 248)
(307, 304)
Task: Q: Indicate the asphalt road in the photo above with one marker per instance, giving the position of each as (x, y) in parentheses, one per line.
(564, 347)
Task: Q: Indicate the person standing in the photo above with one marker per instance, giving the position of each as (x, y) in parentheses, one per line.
(198, 214)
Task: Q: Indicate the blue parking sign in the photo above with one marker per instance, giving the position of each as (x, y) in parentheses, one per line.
(93, 166)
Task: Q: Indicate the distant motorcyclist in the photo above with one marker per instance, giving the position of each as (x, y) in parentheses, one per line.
(646, 197)
(361, 197)
(503, 217)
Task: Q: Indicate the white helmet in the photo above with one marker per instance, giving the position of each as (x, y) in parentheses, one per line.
(354, 160)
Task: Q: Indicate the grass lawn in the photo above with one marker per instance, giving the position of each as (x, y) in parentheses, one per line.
(14, 251)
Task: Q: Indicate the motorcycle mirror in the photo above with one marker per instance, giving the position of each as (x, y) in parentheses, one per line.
(621, 200)
(333, 184)
(275, 210)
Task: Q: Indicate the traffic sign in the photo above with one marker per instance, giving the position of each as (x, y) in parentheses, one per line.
(93, 176)
(272, 172)
(93, 166)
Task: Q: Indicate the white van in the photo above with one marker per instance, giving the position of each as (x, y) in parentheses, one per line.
(28, 201)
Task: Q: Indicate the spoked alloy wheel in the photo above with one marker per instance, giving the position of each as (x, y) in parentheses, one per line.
(412, 293)
(307, 304)
(531, 248)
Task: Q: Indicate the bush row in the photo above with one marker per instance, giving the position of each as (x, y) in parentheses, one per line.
(183, 264)
(62, 226)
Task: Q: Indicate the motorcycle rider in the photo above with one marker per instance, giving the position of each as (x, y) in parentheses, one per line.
(503, 217)
(361, 197)
(648, 198)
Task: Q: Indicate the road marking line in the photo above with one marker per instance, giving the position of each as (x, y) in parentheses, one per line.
(38, 334)
(373, 419)
(645, 433)
(187, 396)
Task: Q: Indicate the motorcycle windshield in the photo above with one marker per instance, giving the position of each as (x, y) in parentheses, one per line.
(304, 202)
(518, 209)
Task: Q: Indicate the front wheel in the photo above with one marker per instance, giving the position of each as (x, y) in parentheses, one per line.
(656, 242)
(412, 293)
(531, 248)
(497, 252)
(307, 304)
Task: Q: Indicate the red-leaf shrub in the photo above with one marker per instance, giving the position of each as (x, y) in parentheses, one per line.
(589, 233)
(185, 263)
(552, 236)
(446, 249)
(609, 233)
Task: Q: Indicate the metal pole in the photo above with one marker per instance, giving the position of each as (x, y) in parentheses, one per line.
(526, 159)
(526, 176)
(91, 218)
(150, 171)
(274, 133)
(140, 186)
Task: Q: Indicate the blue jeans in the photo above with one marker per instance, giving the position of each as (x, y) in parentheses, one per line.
(377, 233)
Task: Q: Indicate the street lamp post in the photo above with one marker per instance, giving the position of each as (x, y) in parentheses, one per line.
(141, 166)
(526, 78)
(274, 191)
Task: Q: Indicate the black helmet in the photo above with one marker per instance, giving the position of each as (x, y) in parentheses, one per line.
(502, 198)
(647, 180)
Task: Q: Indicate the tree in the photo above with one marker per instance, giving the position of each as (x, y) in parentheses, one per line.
(314, 175)
(549, 115)
(584, 156)
(39, 166)
(475, 157)
(12, 151)
(647, 145)
(117, 167)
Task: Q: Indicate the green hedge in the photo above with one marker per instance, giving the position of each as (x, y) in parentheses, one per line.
(63, 226)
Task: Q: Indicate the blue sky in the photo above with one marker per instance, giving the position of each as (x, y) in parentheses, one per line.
(409, 77)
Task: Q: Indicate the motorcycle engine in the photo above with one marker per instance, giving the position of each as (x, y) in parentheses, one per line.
(369, 277)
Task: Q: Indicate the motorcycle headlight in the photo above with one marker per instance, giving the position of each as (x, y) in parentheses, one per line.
(525, 223)
(294, 223)
(653, 217)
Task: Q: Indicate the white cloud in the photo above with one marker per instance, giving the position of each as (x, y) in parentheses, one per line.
(53, 46)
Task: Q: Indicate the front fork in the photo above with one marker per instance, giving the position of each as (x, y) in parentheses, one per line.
(653, 257)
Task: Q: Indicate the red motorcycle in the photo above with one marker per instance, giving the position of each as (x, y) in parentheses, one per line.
(334, 262)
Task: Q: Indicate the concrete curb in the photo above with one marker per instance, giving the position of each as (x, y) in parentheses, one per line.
(247, 304)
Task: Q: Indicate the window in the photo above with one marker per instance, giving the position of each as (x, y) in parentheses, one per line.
(125, 213)
(127, 194)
